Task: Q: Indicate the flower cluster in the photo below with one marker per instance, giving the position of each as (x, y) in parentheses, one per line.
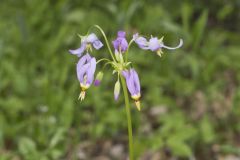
(86, 65)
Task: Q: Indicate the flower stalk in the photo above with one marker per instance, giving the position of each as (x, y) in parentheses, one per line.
(129, 119)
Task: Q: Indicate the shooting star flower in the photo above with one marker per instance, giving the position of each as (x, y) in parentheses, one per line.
(133, 85)
(86, 67)
(120, 44)
(154, 44)
(86, 44)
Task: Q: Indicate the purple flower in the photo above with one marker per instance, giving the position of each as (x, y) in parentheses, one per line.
(154, 44)
(120, 44)
(86, 44)
(133, 85)
(86, 67)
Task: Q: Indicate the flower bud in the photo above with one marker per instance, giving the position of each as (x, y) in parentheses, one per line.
(117, 54)
(98, 78)
(117, 88)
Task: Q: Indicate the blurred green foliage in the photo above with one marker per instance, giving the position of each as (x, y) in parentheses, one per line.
(195, 91)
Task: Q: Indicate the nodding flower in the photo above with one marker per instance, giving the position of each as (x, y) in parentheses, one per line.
(86, 44)
(120, 44)
(154, 44)
(86, 67)
(133, 85)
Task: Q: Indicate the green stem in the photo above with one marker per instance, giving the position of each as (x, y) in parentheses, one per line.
(129, 120)
(104, 36)
(126, 55)
(103, 59)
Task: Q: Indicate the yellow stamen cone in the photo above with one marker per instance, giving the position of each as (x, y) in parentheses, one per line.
(82, 95)
(159, 52)
(138, 105)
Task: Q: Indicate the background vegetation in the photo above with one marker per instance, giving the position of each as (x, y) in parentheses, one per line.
(191, 98)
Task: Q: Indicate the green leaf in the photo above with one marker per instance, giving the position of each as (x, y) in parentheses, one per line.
(198, 29)
(186, 12)
(55, 154)
(26, 146)
(59, 135)
(206, 130)
(179, 148)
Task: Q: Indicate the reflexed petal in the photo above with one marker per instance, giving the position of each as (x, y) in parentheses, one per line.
(97, 44)
(120, 42)
(91, 38)
(116, 43)
(78, 51)
(88, 57)
(91, 70)
(129, 80)
(142, 42)
(125, 74)
(136, 81)
(81, 71)
(179, 45)
(130, 84)
(83, 60)
(132, 81)
(135, 36)
(124, 44)
(82, 66)
(154, 44)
